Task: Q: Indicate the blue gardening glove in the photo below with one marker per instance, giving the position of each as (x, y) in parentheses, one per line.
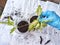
(50, 18)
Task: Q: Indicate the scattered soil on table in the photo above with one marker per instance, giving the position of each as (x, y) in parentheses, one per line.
(41, 39)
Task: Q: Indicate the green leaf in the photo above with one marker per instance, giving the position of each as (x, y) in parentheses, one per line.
(3, 22)
(13, 29)
(42, 25)
(32, 25)
(37, 26)
(10, 22)
(47, 21)
(39, 10)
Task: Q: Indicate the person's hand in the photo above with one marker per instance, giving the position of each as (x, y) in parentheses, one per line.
(51, 18)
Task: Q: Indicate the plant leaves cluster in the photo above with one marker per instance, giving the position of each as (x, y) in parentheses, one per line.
(36, 24)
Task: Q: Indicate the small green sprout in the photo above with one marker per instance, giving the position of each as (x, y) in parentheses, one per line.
(3, 22)
(42, 26)
(36, 24)
(32, 25)
(13, 29)
(47, 21)
(9, 22)
(39, 10)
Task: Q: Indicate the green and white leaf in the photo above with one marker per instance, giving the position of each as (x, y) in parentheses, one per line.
(39, 10)
(10, 22)
(13, 29)
(47, 21)
(32, 25)
(3, 22)
(42, 25)
(37, 26)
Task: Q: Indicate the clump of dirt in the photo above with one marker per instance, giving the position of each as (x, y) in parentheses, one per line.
(33, 18)
(23, 26)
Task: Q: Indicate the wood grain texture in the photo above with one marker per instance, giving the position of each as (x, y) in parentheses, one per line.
(2, 3)
(56, 1)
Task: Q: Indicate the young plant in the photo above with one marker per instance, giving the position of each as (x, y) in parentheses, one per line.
(33, 24)
(9, 22)
(36, 24)
(13, 29)
(39, 10)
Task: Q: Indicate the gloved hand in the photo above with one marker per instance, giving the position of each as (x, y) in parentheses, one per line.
(50, 18)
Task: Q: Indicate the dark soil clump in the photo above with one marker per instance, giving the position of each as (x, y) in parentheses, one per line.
(23, 26)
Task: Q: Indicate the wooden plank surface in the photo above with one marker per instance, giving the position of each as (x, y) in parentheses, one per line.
(55, 1)
(2, 3)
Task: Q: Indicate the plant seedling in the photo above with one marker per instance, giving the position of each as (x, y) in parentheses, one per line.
(36, 24)
(9, 22)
